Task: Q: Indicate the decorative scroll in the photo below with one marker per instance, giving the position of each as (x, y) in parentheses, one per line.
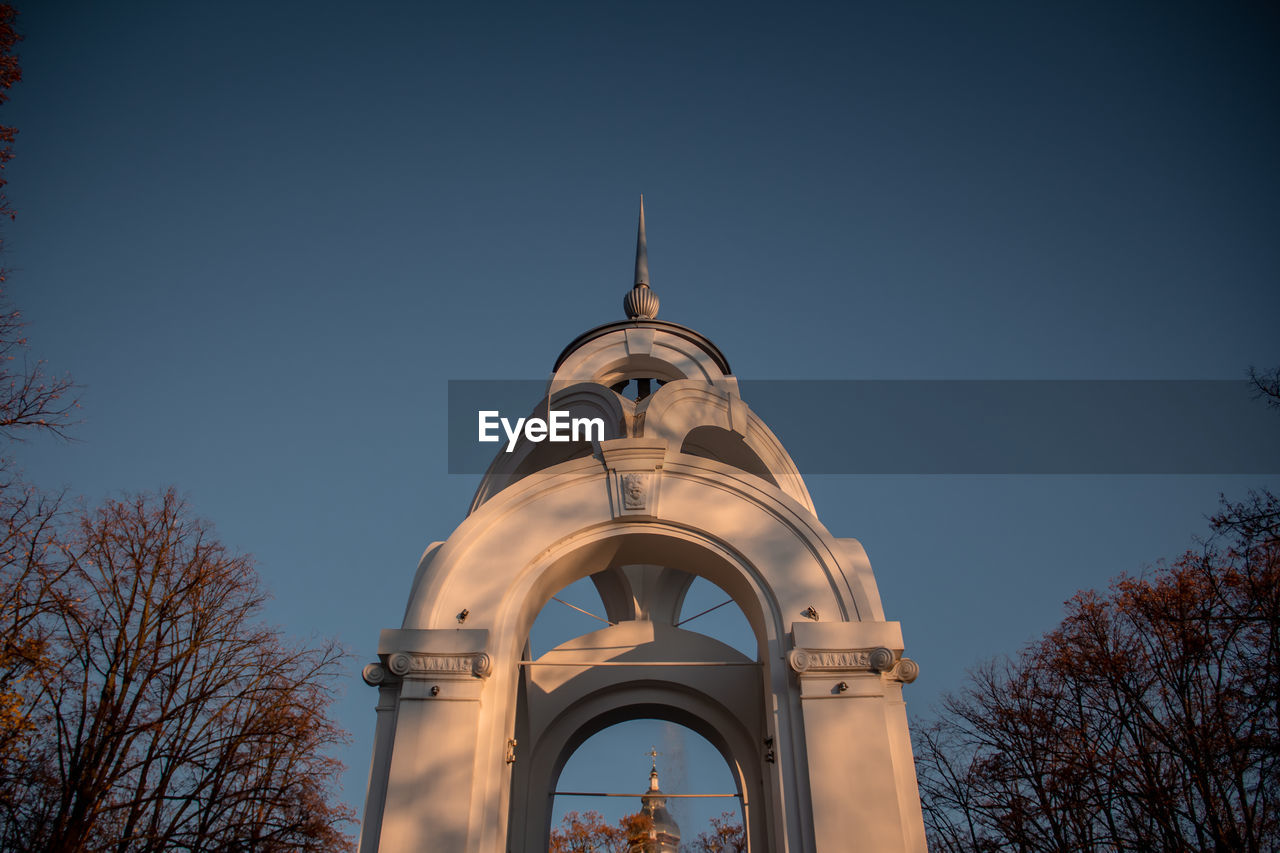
(374, 674)
(907, 671)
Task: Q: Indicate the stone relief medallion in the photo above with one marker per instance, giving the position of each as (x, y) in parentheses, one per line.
(634, 487)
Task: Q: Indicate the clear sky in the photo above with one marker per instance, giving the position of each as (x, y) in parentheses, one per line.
(265, 236)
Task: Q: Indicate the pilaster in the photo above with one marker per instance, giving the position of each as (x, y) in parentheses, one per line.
(430, 775)
(850, 676)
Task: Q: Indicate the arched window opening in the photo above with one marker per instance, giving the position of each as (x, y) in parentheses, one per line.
(571, 612)
(638, 388)
(667, 596)
(707, 609)
(691, 776)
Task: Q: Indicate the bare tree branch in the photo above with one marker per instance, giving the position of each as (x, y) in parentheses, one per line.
(167, 716)
(1149, 719)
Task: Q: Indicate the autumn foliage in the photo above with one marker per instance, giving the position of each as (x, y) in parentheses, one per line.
(588, 832)
(1147, 721)
(726, 835)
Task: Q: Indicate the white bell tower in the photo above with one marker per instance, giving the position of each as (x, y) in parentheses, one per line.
(472, 734)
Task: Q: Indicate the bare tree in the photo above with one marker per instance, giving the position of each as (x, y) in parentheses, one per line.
(173, 719)
(726, 835)
(28, 521)
(1266, 385)
(1149, 720)
(10, 73)
(30, 400)
(29, 396)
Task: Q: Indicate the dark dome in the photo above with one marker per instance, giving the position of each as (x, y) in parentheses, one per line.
(676, 329)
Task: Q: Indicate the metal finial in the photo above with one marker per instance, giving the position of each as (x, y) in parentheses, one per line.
(642, 250)
(641, 303)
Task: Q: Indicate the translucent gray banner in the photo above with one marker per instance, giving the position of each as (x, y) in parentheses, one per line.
(958, 426)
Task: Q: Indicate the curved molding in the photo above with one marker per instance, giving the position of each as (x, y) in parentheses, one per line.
(488, 563)
(626, 350)
(679, 408)
(674, 329)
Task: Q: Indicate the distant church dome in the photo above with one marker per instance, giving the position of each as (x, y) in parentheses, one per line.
(664, 835)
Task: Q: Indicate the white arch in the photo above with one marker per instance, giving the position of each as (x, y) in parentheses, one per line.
(799, 560)
(456, 667)
(642, 699)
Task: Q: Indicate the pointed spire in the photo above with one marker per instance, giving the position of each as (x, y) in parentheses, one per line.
(641, 303)
(642, 250)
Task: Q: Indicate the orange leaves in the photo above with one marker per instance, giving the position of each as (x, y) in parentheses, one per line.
(726, 835)
(588, 832)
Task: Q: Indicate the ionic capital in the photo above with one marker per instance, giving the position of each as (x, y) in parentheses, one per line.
(439, 667)
(853, 662)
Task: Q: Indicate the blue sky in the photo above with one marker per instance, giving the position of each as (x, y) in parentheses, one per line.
(265, 236)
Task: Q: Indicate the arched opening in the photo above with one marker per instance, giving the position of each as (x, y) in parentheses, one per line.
(617, 760)
(638, 388)
(571, 612)
(708, 610)
(714, 721)
(645, 592)
(642, 666)
(652, 590)
(637, 368)
(711, 442)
